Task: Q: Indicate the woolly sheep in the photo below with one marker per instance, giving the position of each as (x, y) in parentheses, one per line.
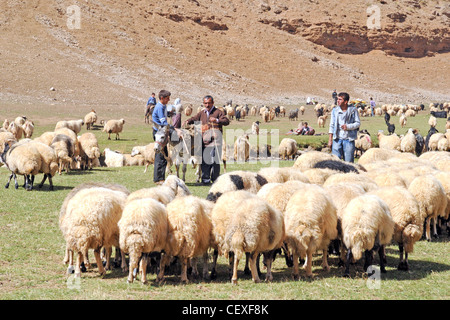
(242, 148)
(364, 181)
(90, 119)
(24, 159)
(376, 154)
(91, 222)
(402, 120)
(74, 125)
(435, 139)
(28, 128)
(137, 160)
(114, 126)
(363, 143)
(390, 142)
(385, 178)
(339, 165)
(308, 159)
(147, 151)
(20, 120)
(177, 185)
(243, 223)
(113, 159)
(287, 149)
(280, 175)
(68, 257)
(64, 150)
(16, 130)
(318, 175)
(189, 233)
(49, 164)
(6, 137)
(143, 229)
(278, 195)
(432, 200)
(444, 179)
(236, 180)
(432, 121)
(162, 194)
(408, 142)
(5, 124)
(46, 137)
(89, 149)
(366, 224)
(311, 223)
(408, 222)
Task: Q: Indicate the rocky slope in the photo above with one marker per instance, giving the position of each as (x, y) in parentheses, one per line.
(251, 51)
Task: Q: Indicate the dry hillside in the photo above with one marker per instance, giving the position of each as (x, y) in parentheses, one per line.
(251, 51)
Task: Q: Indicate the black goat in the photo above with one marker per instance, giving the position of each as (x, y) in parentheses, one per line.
(439, 114)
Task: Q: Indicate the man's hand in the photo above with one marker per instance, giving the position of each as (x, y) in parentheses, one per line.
(344, 127)
(212, 119)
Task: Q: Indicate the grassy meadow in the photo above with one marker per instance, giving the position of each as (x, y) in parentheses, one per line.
(32, 247)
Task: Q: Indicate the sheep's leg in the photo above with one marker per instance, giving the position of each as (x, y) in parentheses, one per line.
(213, 274)
(28, 185)
(427, 229)
(308, 263)
(435, 234)
(205, 265)
(224, 166)
(347, 263)
(43, 180)
(401, 264)
(165, 259)
(78, 267)
(108, 258)
(247, 262)
(268, 258)
(184, 171)
(50, 181)
(325, 260)
(406, 261)
(382, 259)
(194, 272)
(101, 270)
(143, 268)
(368, 254)
(255, 275)
(295, 265)
(146, 166)
(9, 180)
(123, 265)
(69, 259)
(184, 262)
(235, 271)
(287, 256)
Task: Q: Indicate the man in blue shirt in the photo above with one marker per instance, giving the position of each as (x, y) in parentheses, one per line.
(159, 116)
(344, 124)
(149, 107)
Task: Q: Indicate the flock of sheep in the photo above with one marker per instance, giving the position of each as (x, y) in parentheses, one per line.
(320, 204)
(298, 211)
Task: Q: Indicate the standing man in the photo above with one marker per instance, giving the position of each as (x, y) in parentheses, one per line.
(212, 120)
(344, 124)
(149, 107)
(159, 116)
(334, 95)
(372, 106)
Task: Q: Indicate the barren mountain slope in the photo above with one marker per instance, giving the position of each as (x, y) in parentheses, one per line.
(274, 52)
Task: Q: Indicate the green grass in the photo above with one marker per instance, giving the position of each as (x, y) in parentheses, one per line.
(32, 247)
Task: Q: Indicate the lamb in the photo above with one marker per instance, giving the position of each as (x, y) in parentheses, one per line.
(390, 142)
(367, 225)
(113, 159)
(74, 125)
(233, 181)
(129, 160)
(430, 195)
(64, 150)
(302, 109)
(89, 149)
(90, 119)
(114, 126)
(408, 222)
(321, 121)
(402, 120)
(287, 149)
(16, 130)
(68, 257)
(91, 221)
(28, 129)
(243, 223)
(363, 143)
(189, 233)
(24, 159)
(143, 229)
(148, 152)
(308, 159)
(311, 223)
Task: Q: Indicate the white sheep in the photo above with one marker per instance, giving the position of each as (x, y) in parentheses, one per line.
(74, 125)
(91, 222)
(287, 149)
(311, 223)
(189, 233)
(390, 142)
(432, 121)
(49, 164)
(64, 150)
(143, 229)
(318, 175)
(364, 181)
(90, 119)
(242, 148)
(114, 126)
(408, 142)
(280, 175)
(366, 225)
(46, 137)
(89, 149)
(377, 154)
(308, 159)
(402, 120)
(16, 130)
(236, 180)
(5, 124)
(113, 159)
(435, 143)
(430, 195)
(408, 222)
(147, 151)
(28, 128)
(244, 223)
